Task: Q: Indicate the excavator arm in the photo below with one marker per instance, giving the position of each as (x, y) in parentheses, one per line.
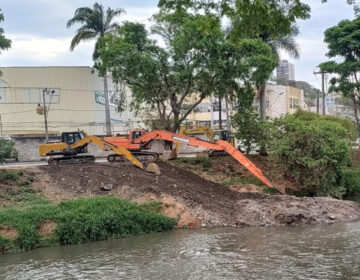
(108, 147)
(220, 145)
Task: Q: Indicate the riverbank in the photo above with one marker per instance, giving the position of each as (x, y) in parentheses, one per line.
(189, 199)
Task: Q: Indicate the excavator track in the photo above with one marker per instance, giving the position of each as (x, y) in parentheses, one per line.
(71, 160)
(144, 157)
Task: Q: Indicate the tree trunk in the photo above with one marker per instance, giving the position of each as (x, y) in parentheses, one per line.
(262, 110)
(220, 116)
(356, 111)
(107, 106)
(227, 114)
(262, 103)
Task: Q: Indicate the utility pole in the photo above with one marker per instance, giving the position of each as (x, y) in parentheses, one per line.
(322, 72)
(1, 130)
(45, 116)
(323, 90)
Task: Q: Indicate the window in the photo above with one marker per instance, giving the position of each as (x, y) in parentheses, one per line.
(35, 95)
(204, 107)
(2, 95)
(294, 103)
(203, 123)
(3, 86)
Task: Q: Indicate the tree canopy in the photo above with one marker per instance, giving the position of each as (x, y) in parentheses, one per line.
(95, 23)
(195, 62)
(5, 43)
(344, 41)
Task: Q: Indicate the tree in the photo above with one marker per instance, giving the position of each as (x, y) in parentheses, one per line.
(95, 24)
(5, 43)
(197, 61)
(343, 41)
(272, 21)
(355, 3)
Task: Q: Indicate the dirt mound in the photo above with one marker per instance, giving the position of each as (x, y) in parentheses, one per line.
(47, 228)
(9, 232)
(207, 203)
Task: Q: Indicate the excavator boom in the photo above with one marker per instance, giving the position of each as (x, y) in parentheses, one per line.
(220, 145)
(108, 147)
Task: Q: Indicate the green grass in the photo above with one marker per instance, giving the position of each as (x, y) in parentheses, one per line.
(241, 181)
(82, 220)
(269, 190)
(204, 162)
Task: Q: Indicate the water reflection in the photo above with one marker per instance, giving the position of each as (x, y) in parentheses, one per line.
(303, 252)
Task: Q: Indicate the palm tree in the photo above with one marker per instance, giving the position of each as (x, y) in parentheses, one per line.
(4, 42)
(286, 43)
(95, 23)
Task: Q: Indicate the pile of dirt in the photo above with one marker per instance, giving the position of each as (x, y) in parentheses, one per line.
(189, 197)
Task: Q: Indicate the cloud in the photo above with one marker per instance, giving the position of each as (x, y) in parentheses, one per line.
(34, 50)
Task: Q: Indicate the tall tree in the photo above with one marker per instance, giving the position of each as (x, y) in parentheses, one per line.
(197, 61)
(273, 21)
(343, 42)
(95, 23)
(5, 43)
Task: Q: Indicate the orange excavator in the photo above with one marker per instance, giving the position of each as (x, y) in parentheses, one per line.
(73, 146)
(139, 140)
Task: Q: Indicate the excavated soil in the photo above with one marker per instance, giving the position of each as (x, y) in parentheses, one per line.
(190, 198)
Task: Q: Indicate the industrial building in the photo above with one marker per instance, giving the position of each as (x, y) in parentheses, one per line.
(74, 98)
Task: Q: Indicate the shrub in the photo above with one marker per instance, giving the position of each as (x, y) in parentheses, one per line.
(314, 153)
(6, 149)
(6, 175)
(345, 123)
(82, 220)
(351, 181)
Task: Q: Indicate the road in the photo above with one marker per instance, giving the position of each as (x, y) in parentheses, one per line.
(34, 163)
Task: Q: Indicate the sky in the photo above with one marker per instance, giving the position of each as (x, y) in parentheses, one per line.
(39, 35)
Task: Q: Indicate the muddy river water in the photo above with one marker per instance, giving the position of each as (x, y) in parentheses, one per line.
(301, 252)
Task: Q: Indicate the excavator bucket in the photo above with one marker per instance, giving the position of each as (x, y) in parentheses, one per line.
(173, 154)
(244, 161)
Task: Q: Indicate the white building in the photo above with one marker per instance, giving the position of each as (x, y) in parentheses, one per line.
(74, 97)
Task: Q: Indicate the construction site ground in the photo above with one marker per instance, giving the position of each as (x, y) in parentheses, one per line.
(197, 194)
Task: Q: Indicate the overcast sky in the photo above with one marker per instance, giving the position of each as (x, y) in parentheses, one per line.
(40, 37)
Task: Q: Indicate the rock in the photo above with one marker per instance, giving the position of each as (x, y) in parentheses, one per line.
(166, 155)
(153, 168)
(107, 187)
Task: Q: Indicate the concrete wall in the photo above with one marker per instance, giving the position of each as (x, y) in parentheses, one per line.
(28, 148)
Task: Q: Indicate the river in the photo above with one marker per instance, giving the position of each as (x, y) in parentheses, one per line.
(301, 252)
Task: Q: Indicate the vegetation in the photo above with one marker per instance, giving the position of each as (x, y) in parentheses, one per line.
(271, 21)
(351, 181)
(96, 23)
(313, 151)
(205, 162)
(343, 42)
(5, 43)
(80, 221)
(197, 61)
(6, 149)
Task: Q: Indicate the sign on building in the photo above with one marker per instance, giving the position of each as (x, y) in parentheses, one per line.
(329, 101)
(99, 98)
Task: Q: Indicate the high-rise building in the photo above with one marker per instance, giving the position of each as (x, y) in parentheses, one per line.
(286, 70)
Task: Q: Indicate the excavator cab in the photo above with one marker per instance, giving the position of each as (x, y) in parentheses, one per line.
(136, 134)
(222, 135)
(71, 137)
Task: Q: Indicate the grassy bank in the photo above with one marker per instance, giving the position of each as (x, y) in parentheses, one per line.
(28, 220)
